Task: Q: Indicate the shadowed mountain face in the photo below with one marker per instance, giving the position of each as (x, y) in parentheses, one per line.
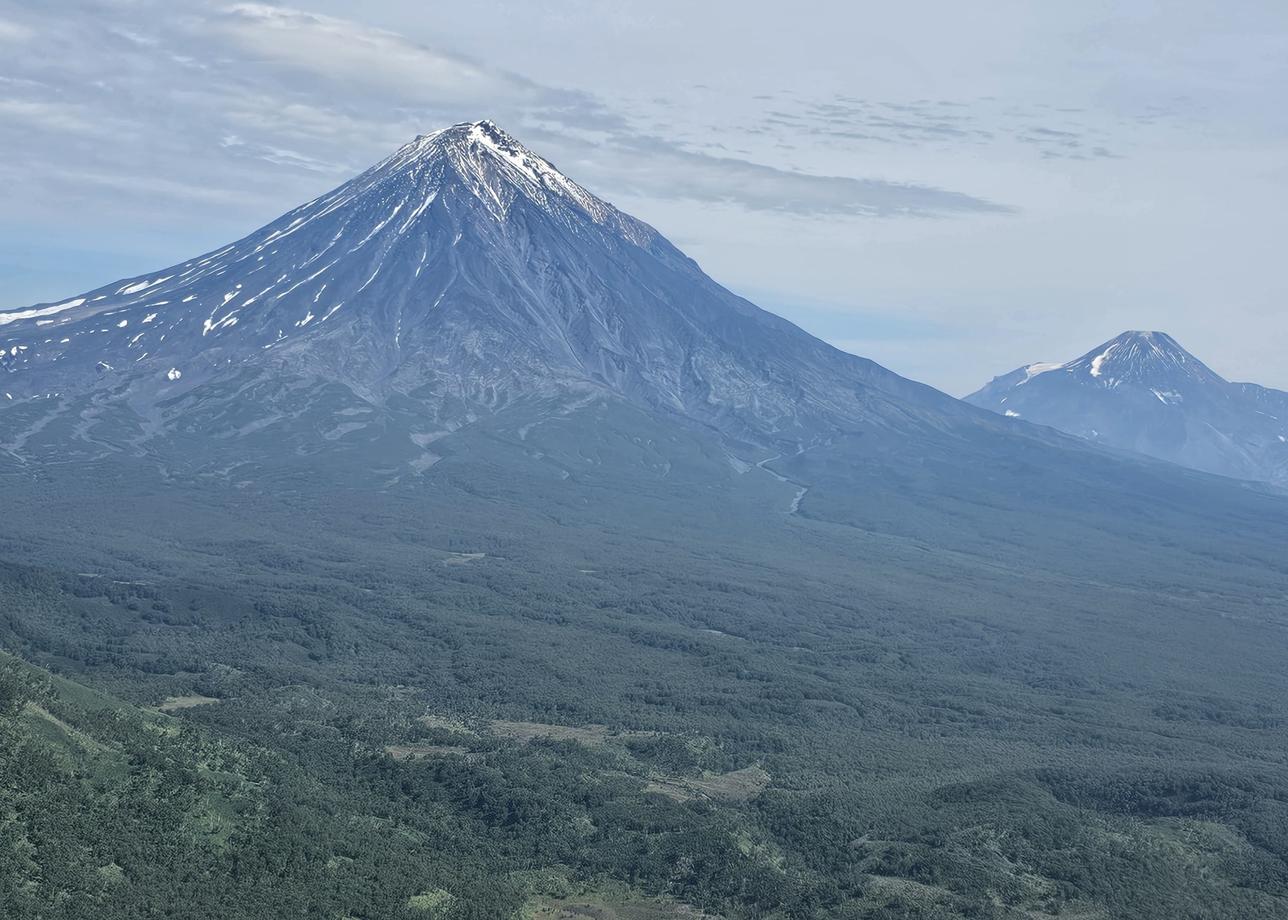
(461, 277)
(1144, 392)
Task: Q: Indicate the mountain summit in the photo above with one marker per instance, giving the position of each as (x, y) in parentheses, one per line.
(1142, 391)
(377, 255)
(1147, 358)
(461, 277)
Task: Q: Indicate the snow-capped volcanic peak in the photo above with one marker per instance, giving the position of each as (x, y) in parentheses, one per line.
(459, 277)
(1142, 391)
(1149, 358)
(380, 246)
(1152, 360)
(483, 139)
(496, 167)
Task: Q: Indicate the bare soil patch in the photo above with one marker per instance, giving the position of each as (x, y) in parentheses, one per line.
(175, 703)
(737, 786)
(417, 751)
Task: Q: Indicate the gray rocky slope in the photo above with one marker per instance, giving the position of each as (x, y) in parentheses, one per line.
(461, 277)
(1143, 392)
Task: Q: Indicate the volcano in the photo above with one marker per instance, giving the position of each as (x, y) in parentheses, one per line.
(461, 277)
(1143, 392)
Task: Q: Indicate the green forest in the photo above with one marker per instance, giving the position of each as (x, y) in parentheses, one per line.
(372, 704)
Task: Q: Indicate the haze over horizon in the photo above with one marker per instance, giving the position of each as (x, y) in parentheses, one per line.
(950, 202)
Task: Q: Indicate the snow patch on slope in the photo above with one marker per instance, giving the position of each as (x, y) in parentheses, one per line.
(6, 318)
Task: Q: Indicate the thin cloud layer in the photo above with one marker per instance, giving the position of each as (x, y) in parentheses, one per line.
(662, 169)
(356, 59)
(1062, 132)
(193, 99)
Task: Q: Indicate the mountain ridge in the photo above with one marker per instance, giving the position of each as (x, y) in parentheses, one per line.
(461, 275)
(1142, 391)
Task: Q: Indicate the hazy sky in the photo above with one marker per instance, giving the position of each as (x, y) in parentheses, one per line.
(953, 189)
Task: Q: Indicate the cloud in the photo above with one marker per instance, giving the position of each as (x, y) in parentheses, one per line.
(389, 70)
(53, 116)
(14, 32)
(155, 187)
(656, 167)
(353, 55)
(313, 98)
(939, 124)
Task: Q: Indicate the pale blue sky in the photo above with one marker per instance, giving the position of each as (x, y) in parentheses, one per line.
(951, 189)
